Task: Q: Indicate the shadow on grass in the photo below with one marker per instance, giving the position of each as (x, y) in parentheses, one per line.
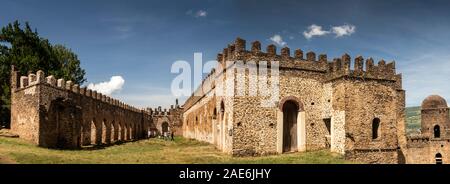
(103, 146)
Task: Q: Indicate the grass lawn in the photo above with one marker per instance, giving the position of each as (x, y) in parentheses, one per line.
(14, 150)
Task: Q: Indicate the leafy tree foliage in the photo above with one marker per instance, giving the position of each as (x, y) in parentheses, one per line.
(29, 52)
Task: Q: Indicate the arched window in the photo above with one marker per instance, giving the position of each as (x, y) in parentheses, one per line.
(437, 131)
(375, 128)
(438, 158)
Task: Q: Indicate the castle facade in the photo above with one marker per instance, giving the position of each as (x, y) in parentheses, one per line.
(355, 111)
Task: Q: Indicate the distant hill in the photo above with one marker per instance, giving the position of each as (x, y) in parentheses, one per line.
(412, 120)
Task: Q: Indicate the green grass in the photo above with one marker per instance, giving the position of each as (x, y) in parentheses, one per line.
(14, 150)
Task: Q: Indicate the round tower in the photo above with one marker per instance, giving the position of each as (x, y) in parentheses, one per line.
(435, 116)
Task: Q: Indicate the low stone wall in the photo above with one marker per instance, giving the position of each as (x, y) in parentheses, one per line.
(374, 156)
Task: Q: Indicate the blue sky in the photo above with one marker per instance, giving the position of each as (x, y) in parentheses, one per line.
(139, 40)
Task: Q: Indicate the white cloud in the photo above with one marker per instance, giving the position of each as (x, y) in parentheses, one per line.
(108, 87)
(339, 31)
(314, 30)
(277, 39)
(344, 30)
(199, 13)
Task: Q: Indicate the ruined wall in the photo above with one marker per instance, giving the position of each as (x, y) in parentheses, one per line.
(58, 114)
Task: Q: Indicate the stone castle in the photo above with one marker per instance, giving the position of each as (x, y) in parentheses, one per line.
(321, 105)
(357, 111)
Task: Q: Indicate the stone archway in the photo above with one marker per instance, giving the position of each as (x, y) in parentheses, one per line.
(291, 126)
(95, 133)
(438, 158)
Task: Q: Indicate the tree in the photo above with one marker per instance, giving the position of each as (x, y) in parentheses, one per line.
(69, 65)
(29, 52)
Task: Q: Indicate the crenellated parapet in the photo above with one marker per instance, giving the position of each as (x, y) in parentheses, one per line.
(160, 112)
(417, 141)
(341, 67)
(68, 86)
(310, 61)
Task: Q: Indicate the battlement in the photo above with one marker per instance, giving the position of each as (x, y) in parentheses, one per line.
(340, 67)
(417, 141)
(40, 79)
(159, 111)
(337, 68)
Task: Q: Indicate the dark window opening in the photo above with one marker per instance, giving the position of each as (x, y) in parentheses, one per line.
(222, 109)
(214, 114)
(437, 131)
(375, 128)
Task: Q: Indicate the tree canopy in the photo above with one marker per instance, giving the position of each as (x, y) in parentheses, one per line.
(29, 52)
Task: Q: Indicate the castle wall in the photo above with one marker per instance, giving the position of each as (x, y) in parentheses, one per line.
(208, 117)
(58, 114)
(25, 114)
(353, 98)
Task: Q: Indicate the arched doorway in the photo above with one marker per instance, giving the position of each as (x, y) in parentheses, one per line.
(438, 158)
(164, 127)
(94, 133)
(113, 131)
(119, 132)
(437, 131)
(290, 113)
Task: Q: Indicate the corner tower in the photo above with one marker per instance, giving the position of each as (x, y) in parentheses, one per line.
(435, 117)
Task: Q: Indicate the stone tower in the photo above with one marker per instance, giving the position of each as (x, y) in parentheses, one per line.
(435, 117)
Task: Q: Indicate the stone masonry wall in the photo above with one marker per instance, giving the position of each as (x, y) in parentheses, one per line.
(58, 114)
(350, 99)
(423, 150)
